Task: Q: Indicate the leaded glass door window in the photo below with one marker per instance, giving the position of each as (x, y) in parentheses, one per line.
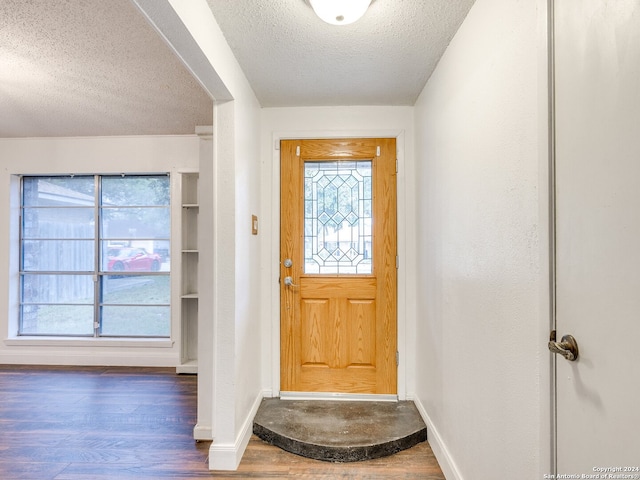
(337, 217)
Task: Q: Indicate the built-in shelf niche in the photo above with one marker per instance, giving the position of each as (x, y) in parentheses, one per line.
(189, 273)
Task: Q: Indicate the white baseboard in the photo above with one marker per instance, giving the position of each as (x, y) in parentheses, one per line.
(89, 357)
(447, 464)
(202, 432)
(227, 456)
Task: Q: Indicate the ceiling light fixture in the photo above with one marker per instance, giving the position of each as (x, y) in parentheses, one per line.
(340, 12)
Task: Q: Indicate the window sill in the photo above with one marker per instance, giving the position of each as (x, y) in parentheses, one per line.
(89, 342)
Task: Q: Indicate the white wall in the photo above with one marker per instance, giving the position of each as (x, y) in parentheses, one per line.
(82, 155)
(229, 306)
(482, 246)
(333, 122)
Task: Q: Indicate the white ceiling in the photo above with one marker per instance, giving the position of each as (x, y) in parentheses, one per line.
(91, 67)
(96, 67)
(292, 58)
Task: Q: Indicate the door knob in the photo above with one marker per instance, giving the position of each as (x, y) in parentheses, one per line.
(567, 346)
(287, 263)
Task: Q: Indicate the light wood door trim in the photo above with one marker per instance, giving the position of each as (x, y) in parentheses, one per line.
(361, 308)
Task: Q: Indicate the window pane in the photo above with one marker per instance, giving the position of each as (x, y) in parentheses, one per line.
(136, 289)
(143, 256)
(59, 222)
(136, 305)
(338, 219)
(58, 255)
(57, 289)
(124, 223)
(58, 191)
(135, 191)
(57, 320)
(136, 321)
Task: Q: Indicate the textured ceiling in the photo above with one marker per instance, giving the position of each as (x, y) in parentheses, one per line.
(292, 58)
(91, 67)
(96, 67)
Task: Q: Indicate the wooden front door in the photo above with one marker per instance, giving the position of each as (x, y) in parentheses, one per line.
(338, 272)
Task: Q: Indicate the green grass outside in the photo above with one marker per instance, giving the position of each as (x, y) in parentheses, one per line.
(127, 310)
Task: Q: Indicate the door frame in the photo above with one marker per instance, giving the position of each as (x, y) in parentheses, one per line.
(406, 353)
(548, 394)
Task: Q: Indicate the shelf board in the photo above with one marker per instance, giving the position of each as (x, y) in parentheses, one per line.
(189, 295)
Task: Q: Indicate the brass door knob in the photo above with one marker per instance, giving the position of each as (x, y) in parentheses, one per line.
(567, 346)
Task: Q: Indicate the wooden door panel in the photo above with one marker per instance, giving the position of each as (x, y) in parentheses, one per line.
(345, 148)
(315, 321)
(338, 331)
(361, 333)
(349, 380)
(332, 287)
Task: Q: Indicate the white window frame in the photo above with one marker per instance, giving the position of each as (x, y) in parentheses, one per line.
(97, 274)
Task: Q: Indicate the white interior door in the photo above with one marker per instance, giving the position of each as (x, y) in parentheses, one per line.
(597, 47)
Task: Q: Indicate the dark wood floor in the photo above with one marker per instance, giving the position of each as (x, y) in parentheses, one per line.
(87, 423)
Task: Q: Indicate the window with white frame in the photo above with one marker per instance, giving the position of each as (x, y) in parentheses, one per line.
(95, 256)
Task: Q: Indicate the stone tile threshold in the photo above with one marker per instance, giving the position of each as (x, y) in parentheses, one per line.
(339, 431)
